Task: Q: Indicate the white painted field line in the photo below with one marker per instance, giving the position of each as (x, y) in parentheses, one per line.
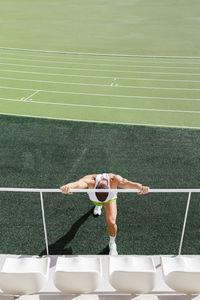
(57, 82)
(100, 54)
(64, 75)
(98, 70)
(100, 95)
(36, 92)
(101, 85)
(102, 122)
(107, 107)
(95, 58)
(101, 77)
(100, 64)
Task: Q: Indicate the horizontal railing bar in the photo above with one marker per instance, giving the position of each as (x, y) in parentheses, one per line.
(31, 190)
(35, 190)
(136, 191)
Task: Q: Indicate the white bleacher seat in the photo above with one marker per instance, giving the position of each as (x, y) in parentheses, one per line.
(77, 275)
(182, 274)
(131, 274)
(22, 276)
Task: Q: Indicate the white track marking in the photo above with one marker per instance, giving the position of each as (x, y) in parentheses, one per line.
(101, 122)
(100, 64)
(153, 60)
(108, 107)
(101, 54)
(103, 77)
(101, 95)
(101, 85)
(98, 70)
(25, 99)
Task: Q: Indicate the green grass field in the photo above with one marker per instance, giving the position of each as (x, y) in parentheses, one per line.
(49, 153)
(85, 108)
(146, 27)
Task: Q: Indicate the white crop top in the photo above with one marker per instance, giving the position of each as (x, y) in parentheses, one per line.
(111, 195)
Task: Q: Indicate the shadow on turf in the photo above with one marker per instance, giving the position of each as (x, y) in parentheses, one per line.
(104, 251)
(58, 248)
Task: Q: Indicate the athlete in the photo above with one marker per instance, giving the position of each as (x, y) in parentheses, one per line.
(105, 199)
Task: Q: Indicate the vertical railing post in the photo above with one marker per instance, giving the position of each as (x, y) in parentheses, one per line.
(44, 223)
(184, 224)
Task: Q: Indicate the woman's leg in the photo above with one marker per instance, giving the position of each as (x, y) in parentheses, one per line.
(111, 215)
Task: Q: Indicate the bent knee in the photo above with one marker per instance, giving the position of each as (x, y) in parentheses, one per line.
(111, 221)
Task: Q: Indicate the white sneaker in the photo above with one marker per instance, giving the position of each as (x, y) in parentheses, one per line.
(97, 210)
(113, 249)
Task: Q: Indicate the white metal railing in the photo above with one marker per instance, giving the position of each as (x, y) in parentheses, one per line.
(98, 190)
(41, 191)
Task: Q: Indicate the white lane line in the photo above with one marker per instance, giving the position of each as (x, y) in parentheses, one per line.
(113, 84)
(153, 60)
(103, 77)
(27, 98)
(58, 82)
(107, 107)
(98, 70)
(64, 75)
(100, 64)
(101, 95)
(102, 122)
(100, 54)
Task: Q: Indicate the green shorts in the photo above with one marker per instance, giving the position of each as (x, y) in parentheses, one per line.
(101, 204)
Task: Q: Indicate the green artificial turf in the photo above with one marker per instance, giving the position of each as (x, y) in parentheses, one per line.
(41, 153)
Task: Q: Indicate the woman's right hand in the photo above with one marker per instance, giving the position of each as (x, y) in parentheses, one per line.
(65, 189)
